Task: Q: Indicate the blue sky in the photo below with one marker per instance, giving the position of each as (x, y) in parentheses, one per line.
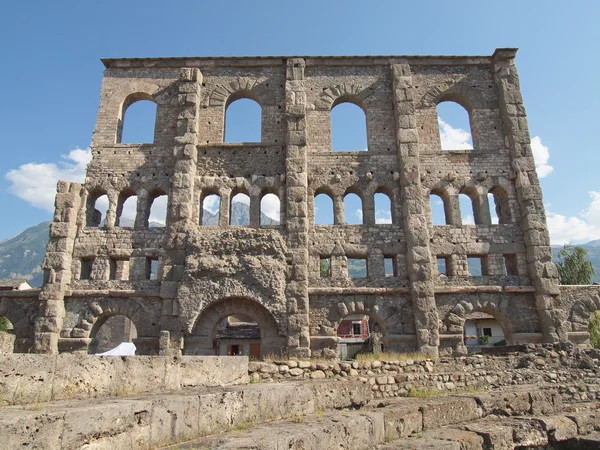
(52, 74)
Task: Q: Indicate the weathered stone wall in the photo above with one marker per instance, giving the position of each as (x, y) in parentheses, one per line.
(574, 373)
(44, 378)
(271, 273)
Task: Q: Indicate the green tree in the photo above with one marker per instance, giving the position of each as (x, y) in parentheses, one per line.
(4, 324)
(325, 267)
(594, 329)
(573, 267)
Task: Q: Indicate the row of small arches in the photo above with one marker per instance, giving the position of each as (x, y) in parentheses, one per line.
(446, 209)
(470, 207)
(243, 123)
(130, 210)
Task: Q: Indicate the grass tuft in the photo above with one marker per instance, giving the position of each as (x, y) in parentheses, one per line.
(391, 356)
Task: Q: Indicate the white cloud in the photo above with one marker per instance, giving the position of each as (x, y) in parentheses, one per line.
(270, 205)
(454, 138)
(541, 155)
(582, 228)
(468, 220)
(241, 198)
(212, 203)
(359, 213)
(158, 210)
(36, 182)
(383, 216)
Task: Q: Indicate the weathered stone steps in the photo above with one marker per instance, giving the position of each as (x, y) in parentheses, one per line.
(152, 421)
(442, 422)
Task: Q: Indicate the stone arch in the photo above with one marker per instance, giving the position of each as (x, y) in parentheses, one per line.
(93, 217)
(479, 202)
(124, 195)
(144, 314)
(331, 97)
(126, 103)
(448, 195)
(225, 94)
(205, 325)
(454, 322)
(451, 92)
(348, 307)
(207, 191)
(21, 313)
(98, 324)
(502, 204)
(582, 310)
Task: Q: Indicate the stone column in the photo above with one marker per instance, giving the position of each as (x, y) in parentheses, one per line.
(338, 210)
(224, 208)
(368, 207)
(414, 213)
(57, 267)
(540, 267)
(296, 206)
(255, 207)
(181, 207)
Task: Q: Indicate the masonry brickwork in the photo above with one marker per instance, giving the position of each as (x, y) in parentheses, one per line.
(271, 273)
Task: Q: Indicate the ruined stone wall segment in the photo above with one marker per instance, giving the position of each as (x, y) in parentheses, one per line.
(414, 216)
(57, 267)
(540, 267)
(180, 218)
(297, 209)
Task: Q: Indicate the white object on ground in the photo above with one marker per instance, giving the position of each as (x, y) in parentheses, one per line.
(123, 349)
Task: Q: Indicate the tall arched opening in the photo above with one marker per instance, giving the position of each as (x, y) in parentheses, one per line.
(235, 326)
(114, 334)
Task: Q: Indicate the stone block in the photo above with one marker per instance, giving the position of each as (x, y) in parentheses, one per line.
(448, 411)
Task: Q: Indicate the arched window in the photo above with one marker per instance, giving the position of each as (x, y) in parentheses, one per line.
(455, 127)
(500, 211)
(97, 208)
(438, 209)
(348, 128)
(239, 212)
(158, 211)
(269, 210)
(126, 210)
(116, 331)
(467, 213)
(243, 120)
(353, 213)
(138, 117)
(323, 209)
(383, 208)
(209, 214)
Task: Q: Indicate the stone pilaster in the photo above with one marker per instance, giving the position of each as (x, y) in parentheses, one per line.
(297, 209)
(414, 213)
(540, 267)
(180, 216)
(57, 267)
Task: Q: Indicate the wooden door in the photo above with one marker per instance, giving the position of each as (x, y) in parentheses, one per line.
(254, 351)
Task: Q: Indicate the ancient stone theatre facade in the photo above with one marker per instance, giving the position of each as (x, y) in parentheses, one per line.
(272, 273)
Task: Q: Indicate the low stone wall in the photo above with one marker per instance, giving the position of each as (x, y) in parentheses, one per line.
(28, 378)
(575, 372)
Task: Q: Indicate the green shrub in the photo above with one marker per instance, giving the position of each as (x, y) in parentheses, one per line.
(4, 324)
(484, 340)
(594, 329)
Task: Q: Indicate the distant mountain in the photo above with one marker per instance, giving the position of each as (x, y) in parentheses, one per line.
(21, 256)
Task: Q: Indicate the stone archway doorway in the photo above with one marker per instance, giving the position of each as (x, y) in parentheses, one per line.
(235, 326)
